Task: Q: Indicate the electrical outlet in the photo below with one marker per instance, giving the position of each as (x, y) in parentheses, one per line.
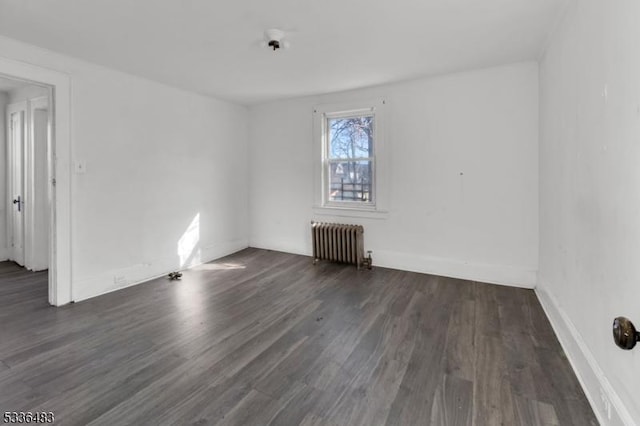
(120, 280)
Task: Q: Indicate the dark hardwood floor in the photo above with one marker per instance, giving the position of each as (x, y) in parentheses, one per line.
(262, 337)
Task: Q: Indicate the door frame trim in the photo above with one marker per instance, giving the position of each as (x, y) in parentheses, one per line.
(59, 161)
(40, 102)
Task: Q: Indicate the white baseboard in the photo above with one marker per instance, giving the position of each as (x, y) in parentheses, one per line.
(283, 246)
(591, 377)
(86, 288)
(473, 271)
(493, 274)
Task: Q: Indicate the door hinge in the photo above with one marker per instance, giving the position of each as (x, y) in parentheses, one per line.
(53, 181)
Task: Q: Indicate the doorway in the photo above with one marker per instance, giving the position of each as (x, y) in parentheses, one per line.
(27, 197)
(60, 290)
(27, 194)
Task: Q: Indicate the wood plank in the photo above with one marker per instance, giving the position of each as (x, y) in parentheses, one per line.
(453, 402)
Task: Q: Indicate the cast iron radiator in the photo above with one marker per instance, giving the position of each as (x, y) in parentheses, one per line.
(339, 243)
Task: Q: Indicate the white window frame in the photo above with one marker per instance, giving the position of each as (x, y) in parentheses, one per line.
(377, 208)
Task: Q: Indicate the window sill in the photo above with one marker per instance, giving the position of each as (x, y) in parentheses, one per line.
(350, 212)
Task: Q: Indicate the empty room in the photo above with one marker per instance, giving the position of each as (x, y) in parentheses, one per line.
(420, 212)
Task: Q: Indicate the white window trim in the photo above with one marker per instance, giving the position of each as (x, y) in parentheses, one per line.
(378, 209)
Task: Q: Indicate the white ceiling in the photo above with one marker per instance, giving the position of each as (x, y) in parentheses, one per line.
(213, 46)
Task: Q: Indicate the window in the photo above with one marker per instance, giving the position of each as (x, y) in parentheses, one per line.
(349, 161)
(349, 141)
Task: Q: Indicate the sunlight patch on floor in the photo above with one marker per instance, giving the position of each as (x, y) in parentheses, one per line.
(219, 266)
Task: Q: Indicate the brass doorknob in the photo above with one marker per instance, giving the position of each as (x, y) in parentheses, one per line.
(624, 333)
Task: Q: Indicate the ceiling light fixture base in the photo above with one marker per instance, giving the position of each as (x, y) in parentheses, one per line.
(275, 39)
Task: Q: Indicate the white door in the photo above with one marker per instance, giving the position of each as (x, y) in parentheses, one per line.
(16, 144)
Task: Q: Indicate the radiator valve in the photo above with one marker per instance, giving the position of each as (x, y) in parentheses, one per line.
(368, 261)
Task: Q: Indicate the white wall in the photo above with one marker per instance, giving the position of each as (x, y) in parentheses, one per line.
(590, 196)
(156, 158)
(4, 100)
(482, 225)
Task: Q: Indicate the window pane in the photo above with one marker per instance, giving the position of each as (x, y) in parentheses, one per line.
(350, 137)
(350, 181)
